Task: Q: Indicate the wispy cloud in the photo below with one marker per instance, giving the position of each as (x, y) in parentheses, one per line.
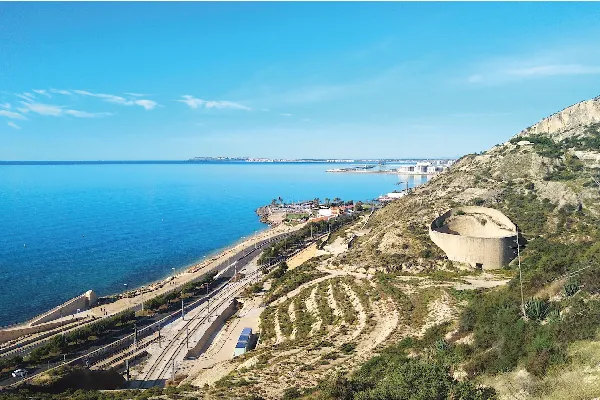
(25, 96)
(5, 105)
(136, 94)
(13, 125)
(147, 104)
(111, 98)
(43, 109)
(512, 73)
(285, 115)
(42, 92)
(12, 115)
(553, 70)
(85, 114)
(582, 60)
(58, 91)
(194, 102)
(58, 111)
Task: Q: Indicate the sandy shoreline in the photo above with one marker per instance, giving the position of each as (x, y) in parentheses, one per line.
(137, 296)
(133, 297)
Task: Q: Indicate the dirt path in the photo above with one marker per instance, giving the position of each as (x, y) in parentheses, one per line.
(332, 303)
(292, 314)
(311, 307)
(360, 310)
(338, 246)
(304, 286)
(278, 334)
(386, 317)
(440, 310)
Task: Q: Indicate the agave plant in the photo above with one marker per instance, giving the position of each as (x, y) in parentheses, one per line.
(537, 309)
(441, 345)
(554, 316)
(571, 288)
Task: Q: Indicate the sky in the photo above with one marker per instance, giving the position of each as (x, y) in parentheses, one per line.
(172, 81)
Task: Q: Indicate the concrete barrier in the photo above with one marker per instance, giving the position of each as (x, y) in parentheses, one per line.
(79, 303)
(214, 327)
(16, 332)
(479, 236)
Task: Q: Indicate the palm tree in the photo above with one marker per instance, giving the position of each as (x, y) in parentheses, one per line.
(316, 202)
(280, 200)
(327, 201)
(273, 202)
(336, 201)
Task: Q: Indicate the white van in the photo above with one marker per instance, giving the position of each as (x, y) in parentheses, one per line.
(19, 373)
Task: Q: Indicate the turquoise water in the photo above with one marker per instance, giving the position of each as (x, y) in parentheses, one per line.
(70, 228)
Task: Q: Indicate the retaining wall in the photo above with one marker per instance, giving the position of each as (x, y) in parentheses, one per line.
(208, 335)
(485, 252)
(17, 332)
(82, 302)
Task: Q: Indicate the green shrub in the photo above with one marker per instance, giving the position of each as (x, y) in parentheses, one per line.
(571, 288)
(537, 309)
(291, 393)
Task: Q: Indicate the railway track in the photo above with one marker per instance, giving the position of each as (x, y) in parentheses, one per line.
(160, 367)
(114, 353)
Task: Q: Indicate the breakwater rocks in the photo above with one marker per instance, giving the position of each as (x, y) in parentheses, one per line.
(263, 214)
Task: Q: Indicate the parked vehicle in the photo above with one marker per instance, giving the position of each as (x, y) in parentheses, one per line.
(19, 373)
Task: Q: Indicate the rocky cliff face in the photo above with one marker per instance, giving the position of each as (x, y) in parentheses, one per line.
(568, 121)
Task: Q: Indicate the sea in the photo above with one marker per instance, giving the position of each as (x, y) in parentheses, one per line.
(73, 227)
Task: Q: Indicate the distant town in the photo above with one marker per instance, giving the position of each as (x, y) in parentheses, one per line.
(324, 160)
(428, 167)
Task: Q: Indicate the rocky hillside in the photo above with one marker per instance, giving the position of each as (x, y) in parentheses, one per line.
(547, 180)
(438, 329)
(539, 178)
(568, 122)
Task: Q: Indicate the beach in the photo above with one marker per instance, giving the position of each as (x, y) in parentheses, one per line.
(137, 296)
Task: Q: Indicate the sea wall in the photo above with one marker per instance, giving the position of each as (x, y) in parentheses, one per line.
(22, 330)
(478, 251)
(81, 303)
(214, 327)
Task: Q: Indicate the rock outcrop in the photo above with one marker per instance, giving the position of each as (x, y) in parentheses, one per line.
(563, 123)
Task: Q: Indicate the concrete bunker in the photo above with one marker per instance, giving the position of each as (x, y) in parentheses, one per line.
(479, 236)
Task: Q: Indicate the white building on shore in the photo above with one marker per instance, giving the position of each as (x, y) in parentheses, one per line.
(423, 168)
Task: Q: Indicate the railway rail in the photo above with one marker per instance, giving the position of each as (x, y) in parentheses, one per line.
(121, 350)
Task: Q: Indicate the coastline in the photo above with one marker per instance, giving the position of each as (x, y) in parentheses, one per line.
(392, 172)
(135, 297)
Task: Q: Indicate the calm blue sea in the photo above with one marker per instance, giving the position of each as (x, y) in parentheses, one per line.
(70, 228)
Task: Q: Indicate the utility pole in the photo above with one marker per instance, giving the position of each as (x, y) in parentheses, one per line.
(182, 313)
(187, 338)
(173, 374)
(159, 346)
(135, 336)
(520, 274)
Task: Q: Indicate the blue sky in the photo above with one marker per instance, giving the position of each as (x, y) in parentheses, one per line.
(93, 81)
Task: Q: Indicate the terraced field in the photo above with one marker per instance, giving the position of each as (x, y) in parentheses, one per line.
(330, 325)
(322, 319)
